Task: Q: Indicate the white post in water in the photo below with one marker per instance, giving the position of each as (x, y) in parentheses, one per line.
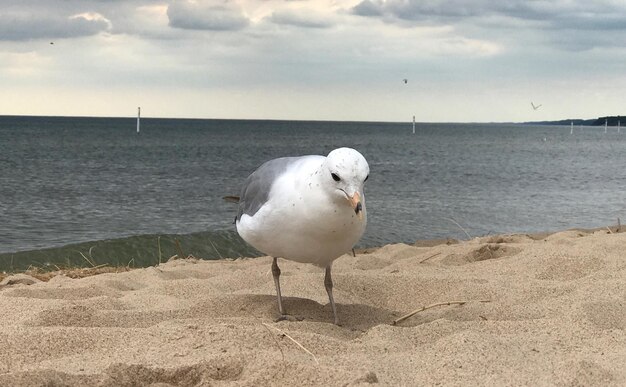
(606, 122)
(571, 127)
(618, 125)
(413, 124)
(138, 117)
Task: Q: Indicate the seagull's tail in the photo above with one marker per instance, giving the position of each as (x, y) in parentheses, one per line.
(231, 199)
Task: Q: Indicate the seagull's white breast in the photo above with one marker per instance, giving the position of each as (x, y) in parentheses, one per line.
(302, 221)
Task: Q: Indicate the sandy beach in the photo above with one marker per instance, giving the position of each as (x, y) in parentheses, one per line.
(548, 310)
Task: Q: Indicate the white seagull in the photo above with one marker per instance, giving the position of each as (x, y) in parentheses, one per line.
(308, 209)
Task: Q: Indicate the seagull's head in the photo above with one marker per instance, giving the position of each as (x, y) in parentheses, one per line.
(345, 172)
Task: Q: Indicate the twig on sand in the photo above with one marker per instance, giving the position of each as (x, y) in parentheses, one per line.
(292, 339)
(282, 354)
(400, 319)
(429, 257)
(609, 228)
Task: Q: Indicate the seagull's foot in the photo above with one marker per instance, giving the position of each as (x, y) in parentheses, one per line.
(288, 317)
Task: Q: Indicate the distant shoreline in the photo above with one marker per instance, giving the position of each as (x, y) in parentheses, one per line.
(611, 120)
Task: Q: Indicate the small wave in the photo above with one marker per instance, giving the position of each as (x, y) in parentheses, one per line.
(135, 251)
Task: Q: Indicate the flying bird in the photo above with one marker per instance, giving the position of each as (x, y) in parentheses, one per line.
(307, 209)
(535, 107)
(405, 81)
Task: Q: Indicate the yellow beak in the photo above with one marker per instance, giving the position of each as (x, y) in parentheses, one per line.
(355, 202)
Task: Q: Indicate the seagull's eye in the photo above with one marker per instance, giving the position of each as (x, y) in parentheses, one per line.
(335, 176)
(366, 177)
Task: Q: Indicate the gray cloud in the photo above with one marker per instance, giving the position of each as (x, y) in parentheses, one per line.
(480, 17)
(518, 9)
(197, 16)
(24, 26)
(605, 22)
(368, 8)
(423, 9)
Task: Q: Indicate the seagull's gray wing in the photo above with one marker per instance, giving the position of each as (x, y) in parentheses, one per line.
(256, 188)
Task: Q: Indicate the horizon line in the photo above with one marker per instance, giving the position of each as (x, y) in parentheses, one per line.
(309, 120)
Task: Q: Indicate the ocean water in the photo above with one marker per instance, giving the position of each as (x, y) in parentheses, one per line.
(92, 190)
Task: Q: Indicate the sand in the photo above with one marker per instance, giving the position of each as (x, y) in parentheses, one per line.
(556, 316)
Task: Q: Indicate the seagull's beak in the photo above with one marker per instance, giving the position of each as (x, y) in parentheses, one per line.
(355, 202)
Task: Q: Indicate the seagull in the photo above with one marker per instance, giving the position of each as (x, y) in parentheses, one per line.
(535, 107)
(405, 81)
(307, 209)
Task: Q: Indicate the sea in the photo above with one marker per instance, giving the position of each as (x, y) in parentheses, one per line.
(82, 191)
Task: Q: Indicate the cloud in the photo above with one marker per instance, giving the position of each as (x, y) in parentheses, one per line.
(513, 19)
(420, 10)
(334, 49)
(368, 8)
(302, 18)
(552, 12)
(191, 15)
(27, 26)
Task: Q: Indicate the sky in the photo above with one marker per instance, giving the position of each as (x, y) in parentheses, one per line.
(463, 60)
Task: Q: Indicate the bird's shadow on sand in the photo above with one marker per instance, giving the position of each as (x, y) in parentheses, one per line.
(352, 316)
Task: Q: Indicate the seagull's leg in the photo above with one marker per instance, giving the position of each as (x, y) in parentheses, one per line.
(328, 282)
(276, 275)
